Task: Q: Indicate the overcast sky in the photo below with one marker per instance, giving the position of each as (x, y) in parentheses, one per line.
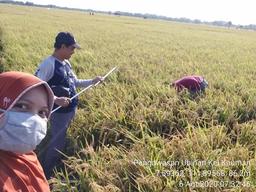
(238, 11)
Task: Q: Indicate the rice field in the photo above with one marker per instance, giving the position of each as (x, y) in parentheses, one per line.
(134, 133)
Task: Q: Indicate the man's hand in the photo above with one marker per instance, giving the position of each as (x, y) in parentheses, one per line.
(97, 79)
(62, 101)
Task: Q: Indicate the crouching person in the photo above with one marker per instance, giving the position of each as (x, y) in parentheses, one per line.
(194, 84)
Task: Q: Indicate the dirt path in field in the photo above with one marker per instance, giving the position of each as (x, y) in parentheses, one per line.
(1, 51)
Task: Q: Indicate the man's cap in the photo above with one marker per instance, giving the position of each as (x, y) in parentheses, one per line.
(66, 38)
(13, 85)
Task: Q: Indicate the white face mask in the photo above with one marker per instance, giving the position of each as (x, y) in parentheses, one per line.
(21, 132)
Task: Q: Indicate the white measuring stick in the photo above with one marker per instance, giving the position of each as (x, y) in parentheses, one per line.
(88, 87)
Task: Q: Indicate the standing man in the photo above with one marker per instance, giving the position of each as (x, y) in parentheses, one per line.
(56, 70)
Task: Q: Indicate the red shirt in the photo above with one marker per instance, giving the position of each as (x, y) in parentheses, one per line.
(21, 173)
(189, 82)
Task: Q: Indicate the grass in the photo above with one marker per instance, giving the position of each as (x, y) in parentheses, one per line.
(134, 132)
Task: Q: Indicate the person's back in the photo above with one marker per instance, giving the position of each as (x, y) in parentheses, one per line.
(193, 83)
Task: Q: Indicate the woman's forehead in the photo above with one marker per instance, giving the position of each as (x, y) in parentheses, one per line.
(37, 95)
